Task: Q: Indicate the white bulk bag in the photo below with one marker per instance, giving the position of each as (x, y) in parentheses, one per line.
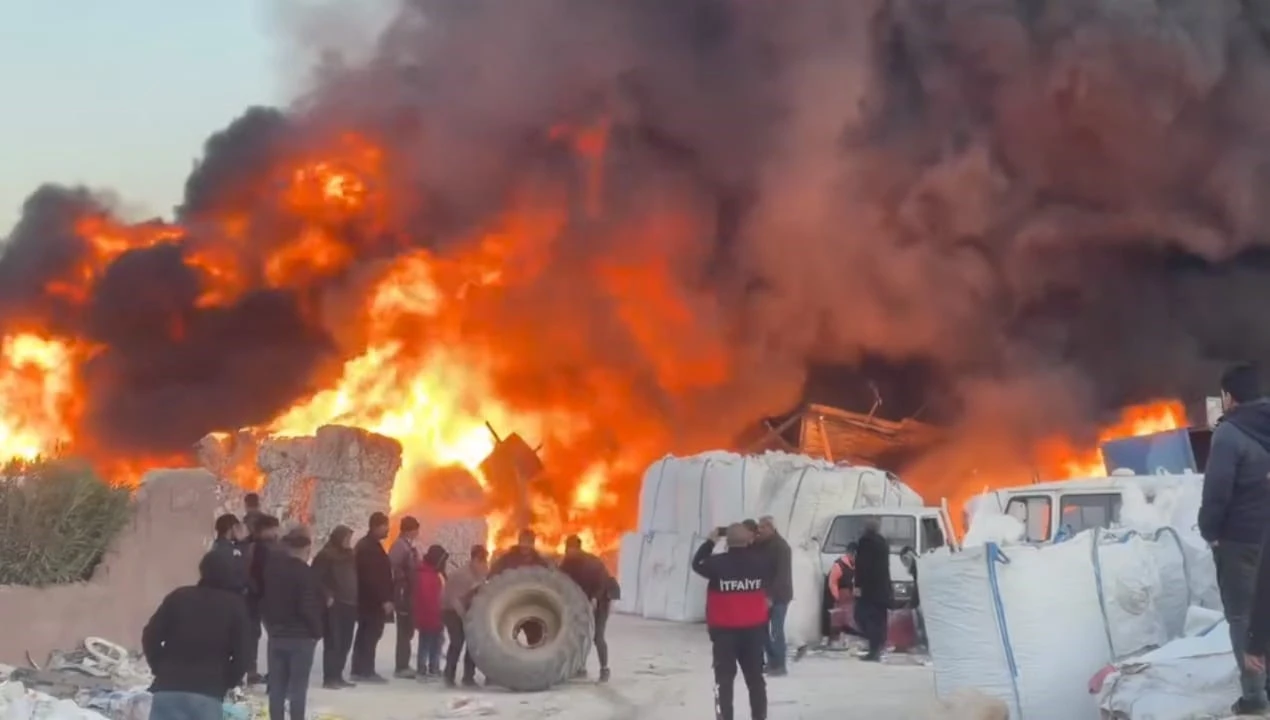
(700, 493)
(630, 557)
(1143, 588)
(802, 619)
(671, 494)
(1129, 587)
(1191, 677)
(660, 584)
(803, 495)
(1022, 624)
(733, 486)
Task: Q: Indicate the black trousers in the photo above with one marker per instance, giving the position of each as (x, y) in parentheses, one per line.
(290, 662)
(454, 629)
(743, 647)
(405, 634)
(871, 617)
(601, 624)
(370, 628)
(257, 630)
(337, 640)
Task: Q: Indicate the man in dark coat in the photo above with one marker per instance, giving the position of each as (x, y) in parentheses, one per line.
(873, 589)
(336, 569)
(198, 643)
(229, 543)
(1235, 513)
(522, 554)
(292, 610)
(780, 591)
(404, 558)
(374, 598)
(251, 512)
(590, 574)
(263, 542)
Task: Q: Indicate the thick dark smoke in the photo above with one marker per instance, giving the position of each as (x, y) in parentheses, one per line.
(1030, 211)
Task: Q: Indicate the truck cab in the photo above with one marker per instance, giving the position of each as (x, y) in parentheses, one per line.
(913, 529)
(1052, 512)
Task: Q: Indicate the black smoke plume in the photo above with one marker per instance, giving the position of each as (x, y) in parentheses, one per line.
(1049, 208)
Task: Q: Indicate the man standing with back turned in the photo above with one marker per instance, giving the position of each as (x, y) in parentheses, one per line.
(1235, 514)
(293, 610)
(736, 617)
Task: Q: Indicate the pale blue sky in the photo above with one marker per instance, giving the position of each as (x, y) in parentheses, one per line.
(121, 94)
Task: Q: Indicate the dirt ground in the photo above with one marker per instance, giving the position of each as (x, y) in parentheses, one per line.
(660, 671)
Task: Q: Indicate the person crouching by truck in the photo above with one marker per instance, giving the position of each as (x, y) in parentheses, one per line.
(460, 587)
(591, 575)
(736, 617)
(839, 592)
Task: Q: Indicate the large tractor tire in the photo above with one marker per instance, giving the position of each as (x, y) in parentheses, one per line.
(529, 629)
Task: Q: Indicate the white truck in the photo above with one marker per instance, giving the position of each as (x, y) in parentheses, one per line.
(1057, 510)
(916, 529)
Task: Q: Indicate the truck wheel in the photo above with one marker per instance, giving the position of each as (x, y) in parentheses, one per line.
(529, 629)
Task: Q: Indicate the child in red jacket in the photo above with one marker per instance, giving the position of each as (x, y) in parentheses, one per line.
(427, 610)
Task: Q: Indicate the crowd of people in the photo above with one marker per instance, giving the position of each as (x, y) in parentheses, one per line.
(204, 640)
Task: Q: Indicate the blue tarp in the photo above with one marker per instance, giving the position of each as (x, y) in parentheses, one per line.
(1169, 451)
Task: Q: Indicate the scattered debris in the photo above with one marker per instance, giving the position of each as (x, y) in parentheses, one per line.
(17, 702)
(464, 706)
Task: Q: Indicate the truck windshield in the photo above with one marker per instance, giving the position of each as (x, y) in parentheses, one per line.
(900, 532)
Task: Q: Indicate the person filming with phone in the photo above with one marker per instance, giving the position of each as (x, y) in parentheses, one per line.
(736, 616)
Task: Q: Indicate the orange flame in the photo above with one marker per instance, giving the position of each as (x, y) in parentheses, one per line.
(1059, 458)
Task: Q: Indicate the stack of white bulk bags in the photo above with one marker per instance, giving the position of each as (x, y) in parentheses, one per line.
(683, 500)
(699, 493)
(802, 495)
(1032, 624)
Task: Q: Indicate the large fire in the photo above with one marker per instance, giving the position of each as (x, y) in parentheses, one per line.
(429, 368)
(420, 374)
(1060, 459)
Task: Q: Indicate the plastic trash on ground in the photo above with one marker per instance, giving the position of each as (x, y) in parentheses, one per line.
(19, 703)
(1191, 677)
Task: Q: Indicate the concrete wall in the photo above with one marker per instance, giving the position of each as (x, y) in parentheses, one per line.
(170, 531)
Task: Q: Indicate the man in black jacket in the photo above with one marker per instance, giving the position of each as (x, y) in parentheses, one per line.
(197, 644)
(590, 574)
(229, 543)
(374, 598)
(262, 543)
(780, 591)
(873, 588)
(404, 557)
(736, 617)
(292, 609)
(336, 569)
(1235, 512)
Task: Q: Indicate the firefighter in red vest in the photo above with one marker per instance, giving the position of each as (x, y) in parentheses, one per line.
(736, 616)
